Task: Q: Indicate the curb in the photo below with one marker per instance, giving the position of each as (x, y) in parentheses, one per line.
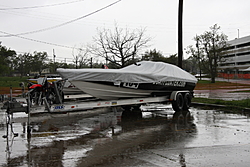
(220, 106)
(209, 105)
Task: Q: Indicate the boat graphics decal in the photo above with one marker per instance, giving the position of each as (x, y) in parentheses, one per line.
(171, 83)
(130, 85)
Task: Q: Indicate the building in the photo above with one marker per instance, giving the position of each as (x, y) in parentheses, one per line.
(235, 62)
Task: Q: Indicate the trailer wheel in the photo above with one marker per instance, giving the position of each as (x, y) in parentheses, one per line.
(178, 103)
(187, 101)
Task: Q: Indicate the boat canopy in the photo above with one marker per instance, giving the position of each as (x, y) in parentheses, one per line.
(141, 72)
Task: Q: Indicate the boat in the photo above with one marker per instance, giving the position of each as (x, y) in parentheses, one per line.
(142, 79)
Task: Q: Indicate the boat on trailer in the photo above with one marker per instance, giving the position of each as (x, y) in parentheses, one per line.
(138, 84)
(142, 79)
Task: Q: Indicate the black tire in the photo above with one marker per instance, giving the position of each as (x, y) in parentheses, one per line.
(178, 103)
(187, 101)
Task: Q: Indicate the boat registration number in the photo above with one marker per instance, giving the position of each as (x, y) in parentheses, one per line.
(130, 85)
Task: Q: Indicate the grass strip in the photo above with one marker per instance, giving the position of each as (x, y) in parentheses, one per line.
(12, 81)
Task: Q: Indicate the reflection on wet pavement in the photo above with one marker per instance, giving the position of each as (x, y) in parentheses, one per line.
(151, 138)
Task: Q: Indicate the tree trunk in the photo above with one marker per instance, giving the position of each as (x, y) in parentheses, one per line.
(212, 79)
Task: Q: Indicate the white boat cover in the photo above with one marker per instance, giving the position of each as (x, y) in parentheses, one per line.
(142, 72)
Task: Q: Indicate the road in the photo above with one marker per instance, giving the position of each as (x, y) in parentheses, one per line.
(154, 138)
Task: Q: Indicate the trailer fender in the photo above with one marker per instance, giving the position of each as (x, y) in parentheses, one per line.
(174, 94)
(180, 100)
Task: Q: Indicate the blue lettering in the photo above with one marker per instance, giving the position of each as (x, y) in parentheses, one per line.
(59, 107)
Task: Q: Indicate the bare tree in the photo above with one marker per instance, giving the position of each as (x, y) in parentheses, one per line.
(81, 57)
(120, 47)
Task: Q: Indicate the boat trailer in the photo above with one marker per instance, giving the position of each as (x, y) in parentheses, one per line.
(180, 100)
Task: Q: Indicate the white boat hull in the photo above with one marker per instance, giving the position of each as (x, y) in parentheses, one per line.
(109, 92)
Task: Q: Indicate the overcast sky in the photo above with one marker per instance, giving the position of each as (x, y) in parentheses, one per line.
(159, 17)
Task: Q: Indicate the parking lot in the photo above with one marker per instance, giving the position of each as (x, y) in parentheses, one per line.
(153, 138)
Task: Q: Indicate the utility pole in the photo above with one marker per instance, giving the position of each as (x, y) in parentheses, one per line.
(54, 56)
(180, 47)
(198, 50)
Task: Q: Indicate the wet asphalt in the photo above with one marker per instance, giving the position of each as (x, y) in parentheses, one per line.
(154, 138)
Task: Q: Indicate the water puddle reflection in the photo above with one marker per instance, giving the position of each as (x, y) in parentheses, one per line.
(74, 140)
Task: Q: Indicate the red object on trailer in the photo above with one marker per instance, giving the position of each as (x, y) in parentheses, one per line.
(35, 86)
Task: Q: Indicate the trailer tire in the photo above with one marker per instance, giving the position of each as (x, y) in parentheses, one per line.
(187, 101)
(178, 103)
